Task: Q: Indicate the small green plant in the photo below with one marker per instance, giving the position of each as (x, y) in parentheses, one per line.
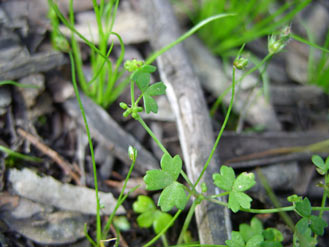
(107, 82)
(255, 235)
(151, 216)
(235, 187)
(176, 194)
(141, 76)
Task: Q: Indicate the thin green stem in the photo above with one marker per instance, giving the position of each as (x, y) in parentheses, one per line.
(220, 132)
(187, 221)
(93, 243)
(76, 52)
(265, 211)
(186, 35)
(184, 175)
(324, 196)
(76, 90)
(266, 58)
(149, 131)
(19, 155)
(286, 218)
(163, 149)
(2, 83)
(152, 241)
(220, 194)
(132, 93)
(119, 201)
(164, 240)
(300, 39)
(72, 28)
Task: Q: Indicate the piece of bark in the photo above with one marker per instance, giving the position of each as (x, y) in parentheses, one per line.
(295, 95)
(235, 145)
(193, 122)
(49, 191)
(27, 65)
(106, 131)
(56, 228)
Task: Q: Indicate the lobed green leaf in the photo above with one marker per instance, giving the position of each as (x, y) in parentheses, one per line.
(225, 179)
(248, 231)
(244, 181)
(302, 225)
(148, 68)
(158, 88)
(143, 204)
(161, 221)
(255, 241)
(304, 208)
(173, 195)
(237, 199)
(272, 234)
(236, 240)
(146, 219)
(172, 165)
(157, 179)
(150, 104)
(318, 225)
(141, 79)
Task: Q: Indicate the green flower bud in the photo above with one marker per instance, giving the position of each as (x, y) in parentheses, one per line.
(132, 65)
(132, 152)
(240, 63)
(294, 198)
(123, 105)
(127, 112)
(275, 45)
(134, 115)
(139, 109)
(61, 43)
(204, 187)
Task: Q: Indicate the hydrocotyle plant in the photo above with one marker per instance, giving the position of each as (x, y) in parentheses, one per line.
(176, 194)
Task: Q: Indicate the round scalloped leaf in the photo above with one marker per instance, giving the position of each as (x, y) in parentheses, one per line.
(158, 88)
(304, 208)
(244, 181)
(157, 179)
(172, 195)
(172, 165)
(161, 221)
(142, 80)
(143, 204)
(150, 104)
(318, 225)
(236, 240)
(148, 68)
(255, 241)
(146, 219)
(237, 199)
(225, 179)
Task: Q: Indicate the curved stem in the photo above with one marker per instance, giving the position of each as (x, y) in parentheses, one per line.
(76, 90)
(187, 221)
(163, 230)
(324, 197)
(150, 132)
(186, 35)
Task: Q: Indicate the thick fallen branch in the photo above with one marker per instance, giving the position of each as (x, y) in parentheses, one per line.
(195, 132)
